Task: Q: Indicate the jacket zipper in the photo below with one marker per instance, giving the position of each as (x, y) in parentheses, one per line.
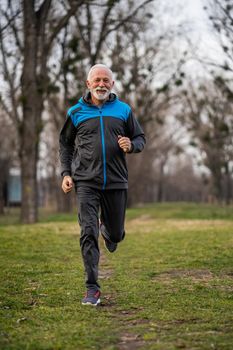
(103, 149)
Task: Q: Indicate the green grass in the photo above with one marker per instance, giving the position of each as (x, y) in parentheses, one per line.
(183, 211)
(168, 286)
(157, 211)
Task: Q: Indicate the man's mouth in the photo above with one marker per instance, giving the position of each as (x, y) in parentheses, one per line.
(101, 91)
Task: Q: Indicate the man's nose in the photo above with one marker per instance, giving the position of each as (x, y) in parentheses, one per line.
(101, 83)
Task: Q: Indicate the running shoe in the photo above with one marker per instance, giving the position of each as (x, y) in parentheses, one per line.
(92, 297)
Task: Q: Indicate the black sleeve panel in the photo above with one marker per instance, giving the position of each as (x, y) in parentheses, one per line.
(67, 146)
(136, 134)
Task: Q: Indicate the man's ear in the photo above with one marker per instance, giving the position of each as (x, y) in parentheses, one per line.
(113, 82)
(88, 84)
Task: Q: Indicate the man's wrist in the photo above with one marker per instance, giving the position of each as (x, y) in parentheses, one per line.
(131, 148)
(66, 173)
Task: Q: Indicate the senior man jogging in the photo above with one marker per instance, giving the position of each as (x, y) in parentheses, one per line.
(98, 132)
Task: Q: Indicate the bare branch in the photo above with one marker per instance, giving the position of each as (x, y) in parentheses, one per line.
(14, 29)
(213, 64)
(10, 81)
(7, 110)
(42, 15)
(89, 26)
(103, 31)
(63, 21)
(128, 18)
(86, 41)
(9, 23)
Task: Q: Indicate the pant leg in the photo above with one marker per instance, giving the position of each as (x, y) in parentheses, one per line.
(113, 206)
(88, 209)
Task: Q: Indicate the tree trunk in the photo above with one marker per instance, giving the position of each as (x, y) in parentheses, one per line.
(217, 182)
(228, 184)
(29, 128)
(4, 165)
(160, 182)
(29, 211)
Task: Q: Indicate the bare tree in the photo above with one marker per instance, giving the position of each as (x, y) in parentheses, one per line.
(27, 34)
(7, 155)
(208, 117)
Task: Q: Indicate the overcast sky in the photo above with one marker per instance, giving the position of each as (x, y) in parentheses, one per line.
(201, 33)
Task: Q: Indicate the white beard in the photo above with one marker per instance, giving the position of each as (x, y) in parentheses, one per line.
(100, 96)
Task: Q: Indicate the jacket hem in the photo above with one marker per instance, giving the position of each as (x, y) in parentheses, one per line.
(112, 186)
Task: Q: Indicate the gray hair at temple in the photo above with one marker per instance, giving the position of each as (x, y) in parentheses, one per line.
(99, 65)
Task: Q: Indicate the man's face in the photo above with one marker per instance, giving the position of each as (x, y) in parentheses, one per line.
(100, 83)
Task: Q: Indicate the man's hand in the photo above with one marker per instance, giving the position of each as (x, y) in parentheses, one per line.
(124, 143)
(67, 184)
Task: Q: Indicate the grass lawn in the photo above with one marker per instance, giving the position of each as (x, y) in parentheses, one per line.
(168, 286)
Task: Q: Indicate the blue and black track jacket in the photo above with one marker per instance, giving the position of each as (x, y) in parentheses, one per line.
(89, 149)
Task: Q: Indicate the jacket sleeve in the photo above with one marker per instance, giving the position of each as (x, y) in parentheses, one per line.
(67, 146)
(135, 133)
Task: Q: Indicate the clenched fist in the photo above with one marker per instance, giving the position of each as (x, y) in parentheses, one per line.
(124, 143)
(67, 184)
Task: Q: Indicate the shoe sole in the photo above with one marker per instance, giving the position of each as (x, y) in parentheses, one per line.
(96, 304)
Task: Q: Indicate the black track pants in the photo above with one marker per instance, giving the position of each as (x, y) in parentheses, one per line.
(111, 204)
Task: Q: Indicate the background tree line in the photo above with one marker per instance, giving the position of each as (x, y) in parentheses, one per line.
(46, 50)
